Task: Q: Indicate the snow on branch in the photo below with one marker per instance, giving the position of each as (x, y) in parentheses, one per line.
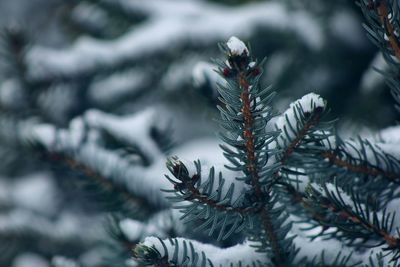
(166, 28)
(364, 157)
(135, 130)
(82, 143)
(383, 27)
(297, 120)
(160, 225)
(183, 252)
(23, 225)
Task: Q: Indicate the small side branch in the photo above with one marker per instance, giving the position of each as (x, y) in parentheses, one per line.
(186, 186)
(342, 212)
(105, 183)
(362, 169)
(384, 17)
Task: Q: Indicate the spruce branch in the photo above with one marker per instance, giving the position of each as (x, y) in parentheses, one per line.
(248, 146)
(189, 188)
(107, 186)
(185, 252)
(364, 165)
(383, 28)
(244, 75)
(382, 17)
(349, 219)
(374, 171)
(349, 216)
(208, 201)
(386, 17)
(303, 135)
(338, 261)
(104, 169)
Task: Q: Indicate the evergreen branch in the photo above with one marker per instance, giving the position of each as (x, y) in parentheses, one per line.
(370, 170)
(244, 115)
(106, 184)
(212, 207)
(300, 132)
(381, 17)
(278, 251)
(186, 186)
(150, 255)
(384, 16)
(379, 261)
(238, 71)
(309, 124)
(347, 218)
(185, 252)
(247, 132)
(338, 261)
(105, 169)
(322, 208)
(363, 165)
(299, 198)
(383, 28)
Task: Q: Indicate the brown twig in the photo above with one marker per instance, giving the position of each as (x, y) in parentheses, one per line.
(367, 170)
(105, 183)
(251, 166)
(388, 26)
(188, 183)
(343, 214)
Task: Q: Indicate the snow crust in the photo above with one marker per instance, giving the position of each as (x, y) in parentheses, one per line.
(308, 103)
(236, 46)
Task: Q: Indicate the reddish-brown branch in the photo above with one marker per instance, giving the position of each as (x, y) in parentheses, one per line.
(343, 214)
(251, 166)
(367, 170)
(106, 183)
(195, 194)
(296, 141)
(301, 134)
(388, 26)
(298, 198)
(248, 136)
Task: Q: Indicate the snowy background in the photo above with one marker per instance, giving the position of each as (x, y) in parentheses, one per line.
(119, 85)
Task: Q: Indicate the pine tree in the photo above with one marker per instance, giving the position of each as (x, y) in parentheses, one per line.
(281, 190)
